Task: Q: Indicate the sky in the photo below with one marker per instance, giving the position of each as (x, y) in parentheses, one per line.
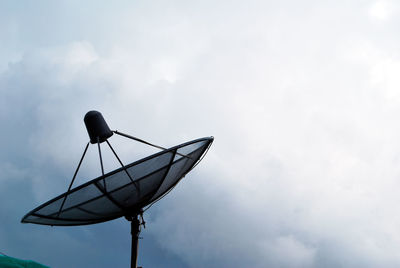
(302, 97)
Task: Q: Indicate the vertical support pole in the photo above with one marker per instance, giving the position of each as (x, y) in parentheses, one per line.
(135, 230)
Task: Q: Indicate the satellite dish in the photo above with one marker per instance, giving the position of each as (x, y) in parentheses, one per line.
(125, 192)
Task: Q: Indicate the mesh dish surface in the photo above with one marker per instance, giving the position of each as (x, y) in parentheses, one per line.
(115, 195)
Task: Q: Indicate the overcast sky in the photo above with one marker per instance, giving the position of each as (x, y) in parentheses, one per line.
(302, 97)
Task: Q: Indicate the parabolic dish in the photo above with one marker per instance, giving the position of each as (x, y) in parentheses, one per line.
(114, 195)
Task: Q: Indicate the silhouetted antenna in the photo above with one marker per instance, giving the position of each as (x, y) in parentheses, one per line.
(125, 192)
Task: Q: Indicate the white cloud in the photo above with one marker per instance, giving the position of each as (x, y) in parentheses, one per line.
(380, 10)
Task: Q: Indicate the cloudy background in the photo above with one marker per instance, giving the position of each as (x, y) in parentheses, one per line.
(302, 97)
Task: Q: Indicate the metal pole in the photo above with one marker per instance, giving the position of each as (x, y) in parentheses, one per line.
(135, 230)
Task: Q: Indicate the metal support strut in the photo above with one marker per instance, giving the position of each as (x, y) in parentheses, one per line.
(145, 142)
(72, 181)
(101, 163)
(123, 166)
